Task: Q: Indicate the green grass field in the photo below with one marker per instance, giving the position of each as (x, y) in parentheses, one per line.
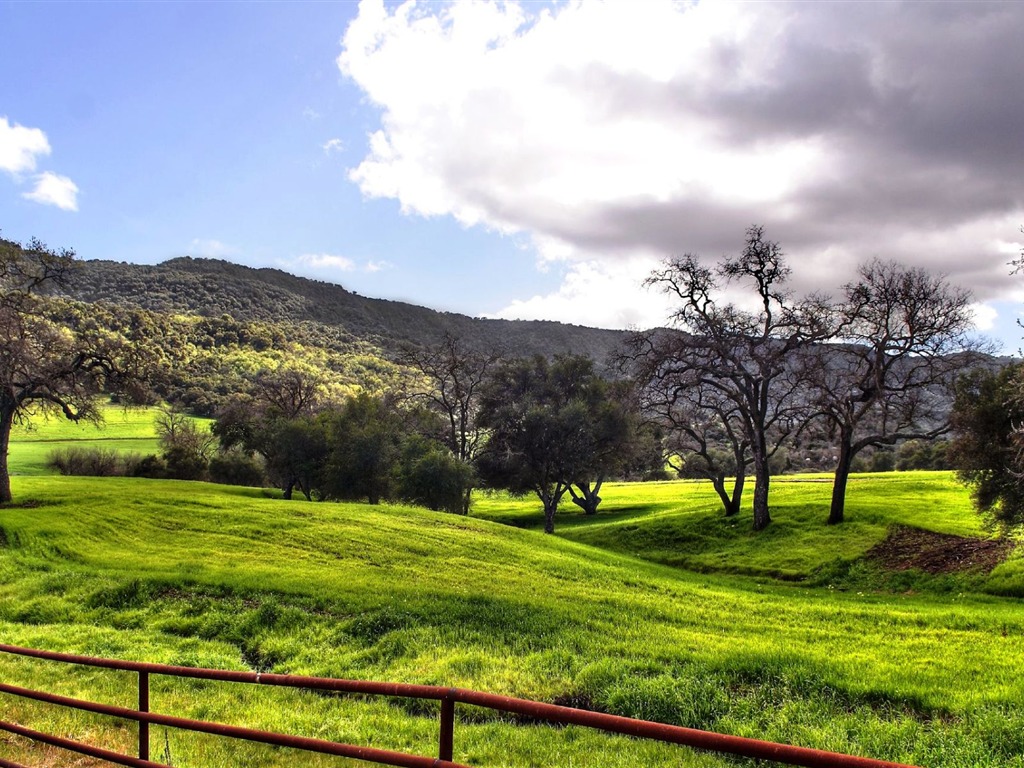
(126, 430)
(655, 608)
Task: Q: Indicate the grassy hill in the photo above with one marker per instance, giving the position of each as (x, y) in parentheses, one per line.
(125, 430)
(681, 524)
(197, 574)
(657, 608)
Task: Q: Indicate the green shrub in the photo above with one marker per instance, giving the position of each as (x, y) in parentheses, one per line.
(237, 468)
(151, 466)
(93, 462)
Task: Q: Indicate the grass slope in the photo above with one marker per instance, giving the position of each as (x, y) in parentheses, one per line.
(125, 430)
(197, 574)
(681, 524)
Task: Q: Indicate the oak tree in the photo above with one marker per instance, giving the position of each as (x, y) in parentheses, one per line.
(47, 366)
(551, 427)
(744, 353)
(904, 334)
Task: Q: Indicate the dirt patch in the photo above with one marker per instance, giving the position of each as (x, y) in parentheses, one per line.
(905, 548)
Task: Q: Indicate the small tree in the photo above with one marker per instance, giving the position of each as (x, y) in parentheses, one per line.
(986, 448)
(551, 427)
(454, 377)
(44, 366)
(905, 333)
(364, 443)
(277, 420)
(621, 445)
(186, 446)
(431, 476)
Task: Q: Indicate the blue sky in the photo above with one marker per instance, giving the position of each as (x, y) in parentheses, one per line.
(207, 129)
(527, 160)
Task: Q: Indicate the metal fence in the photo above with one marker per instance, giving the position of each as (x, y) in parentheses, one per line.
(447, 698)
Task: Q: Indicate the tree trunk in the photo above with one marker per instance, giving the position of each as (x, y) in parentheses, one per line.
(730, 502)
(6, 422)
(550, 507)
(718, 483)
(732, 507)
(842, 474)
(588, 499)
(550, 497)
(762, 479)
(466, 498)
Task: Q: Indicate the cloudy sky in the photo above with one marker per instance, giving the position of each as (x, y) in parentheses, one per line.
(532, 159)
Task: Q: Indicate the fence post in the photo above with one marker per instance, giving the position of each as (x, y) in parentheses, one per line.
(444, 751)
(143, 707)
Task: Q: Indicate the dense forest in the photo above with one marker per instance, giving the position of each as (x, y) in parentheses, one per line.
(215, 289)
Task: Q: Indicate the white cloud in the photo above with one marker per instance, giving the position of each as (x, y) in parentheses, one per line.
(617, 131)
(20, 150)
(20, 147)
(377, 266)
(334, 262)
(51, 189)
(601, 294)
(211, 248)
(326, 261)
(334, 145)
(984, 316)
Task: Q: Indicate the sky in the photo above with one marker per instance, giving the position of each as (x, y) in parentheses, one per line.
(531, 160)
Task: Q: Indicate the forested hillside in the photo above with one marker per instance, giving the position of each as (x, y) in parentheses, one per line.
(214, 288)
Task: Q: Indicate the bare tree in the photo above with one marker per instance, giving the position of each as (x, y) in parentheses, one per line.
(288, 392)
(704, 436)
(277, 421)
(184, 441)
(905, 339)
(46, 366)
(454, 379)
(745, 355)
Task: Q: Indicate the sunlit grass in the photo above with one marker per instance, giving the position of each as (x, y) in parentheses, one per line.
(190, 573)
(127, 430)
(682, 524)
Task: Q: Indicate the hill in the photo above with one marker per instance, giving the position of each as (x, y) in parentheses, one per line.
(213, 287)
(189, 573)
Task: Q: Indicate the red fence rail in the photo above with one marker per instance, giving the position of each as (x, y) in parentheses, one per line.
(447, 698)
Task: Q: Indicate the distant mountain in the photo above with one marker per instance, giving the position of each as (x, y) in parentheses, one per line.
(213, 287)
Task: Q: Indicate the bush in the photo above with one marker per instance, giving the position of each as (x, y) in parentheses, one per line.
(184, 464)
(432, 477)
(883, 461)
(93, 462)
(237, 468)
(918, 454)
(151, 466)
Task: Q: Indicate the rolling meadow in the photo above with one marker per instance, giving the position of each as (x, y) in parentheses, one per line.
(658, 607)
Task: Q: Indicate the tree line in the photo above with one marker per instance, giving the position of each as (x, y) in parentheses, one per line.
(745, 371)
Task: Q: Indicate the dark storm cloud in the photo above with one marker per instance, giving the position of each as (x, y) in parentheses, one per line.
(919, 104)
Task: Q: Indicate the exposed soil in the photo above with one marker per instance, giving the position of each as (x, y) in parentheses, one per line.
(905, 548)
